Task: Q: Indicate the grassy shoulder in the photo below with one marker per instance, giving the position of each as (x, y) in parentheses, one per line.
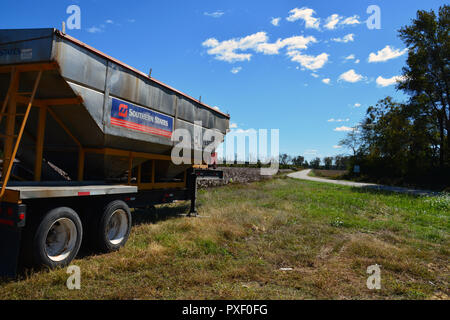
(327, 234)
(388, 181)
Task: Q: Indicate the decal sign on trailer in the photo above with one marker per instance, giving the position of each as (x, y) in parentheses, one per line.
(130, 116)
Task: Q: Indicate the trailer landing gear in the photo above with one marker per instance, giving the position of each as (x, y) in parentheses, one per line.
(192, 187)
(193, 195)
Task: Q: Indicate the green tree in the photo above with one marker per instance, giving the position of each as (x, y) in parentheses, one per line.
(285, 159)
(386, 137)
(397, 140)
(315, 163)
(328, 162)
(298, 161)
(427, 74)
(341, 162)
(351, 141)
(306, 164)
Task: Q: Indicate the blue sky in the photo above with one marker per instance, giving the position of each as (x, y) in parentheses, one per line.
(266, 73)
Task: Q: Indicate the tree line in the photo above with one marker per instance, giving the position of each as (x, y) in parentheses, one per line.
(408, 141)
(339, 162)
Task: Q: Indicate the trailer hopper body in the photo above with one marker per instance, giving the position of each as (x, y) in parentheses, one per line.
(79, 123)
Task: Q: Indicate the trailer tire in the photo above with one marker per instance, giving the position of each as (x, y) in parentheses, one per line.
(58, 238)
(114, 226)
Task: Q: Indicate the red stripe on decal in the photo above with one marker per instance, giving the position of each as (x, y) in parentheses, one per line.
(7, 222)
(139, 127)
(84, 193)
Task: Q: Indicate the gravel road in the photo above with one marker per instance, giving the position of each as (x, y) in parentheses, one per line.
(303, 175)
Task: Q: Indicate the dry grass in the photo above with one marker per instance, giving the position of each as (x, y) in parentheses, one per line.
(329, 174)
(327, 234)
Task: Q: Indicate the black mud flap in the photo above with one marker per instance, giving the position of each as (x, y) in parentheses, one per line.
(12, 219)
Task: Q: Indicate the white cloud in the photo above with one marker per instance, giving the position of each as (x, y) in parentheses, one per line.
(350, 57)
(292, 43)
(242, 131)
(226, 50)
(275, 21)
(94, 29)
(385, 54)
(211, 42)
(338, 120)
(109, 21)
(252, 40)
(233, 126)
(332, 21)
(382, 82)
(236, 70)
(309, 62)
(305, 14)
(131, 20)
(337, 147)
(357, 105)
(326, 81)
(298, 42)
(343, 129)
(215, 14)
(233, 50)
(348, 38)
(351, 20)
(315, 75)
(336, 20)
(351, 76)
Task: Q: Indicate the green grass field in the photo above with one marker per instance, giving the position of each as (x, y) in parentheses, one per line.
(327, 234)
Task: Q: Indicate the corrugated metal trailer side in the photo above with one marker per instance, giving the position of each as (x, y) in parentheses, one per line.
(99, 81)
(65, 92)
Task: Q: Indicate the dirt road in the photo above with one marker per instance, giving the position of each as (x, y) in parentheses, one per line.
(303, 175)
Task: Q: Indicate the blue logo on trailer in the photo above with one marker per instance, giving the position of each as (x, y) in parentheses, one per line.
(130, 116)
(9, 52)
